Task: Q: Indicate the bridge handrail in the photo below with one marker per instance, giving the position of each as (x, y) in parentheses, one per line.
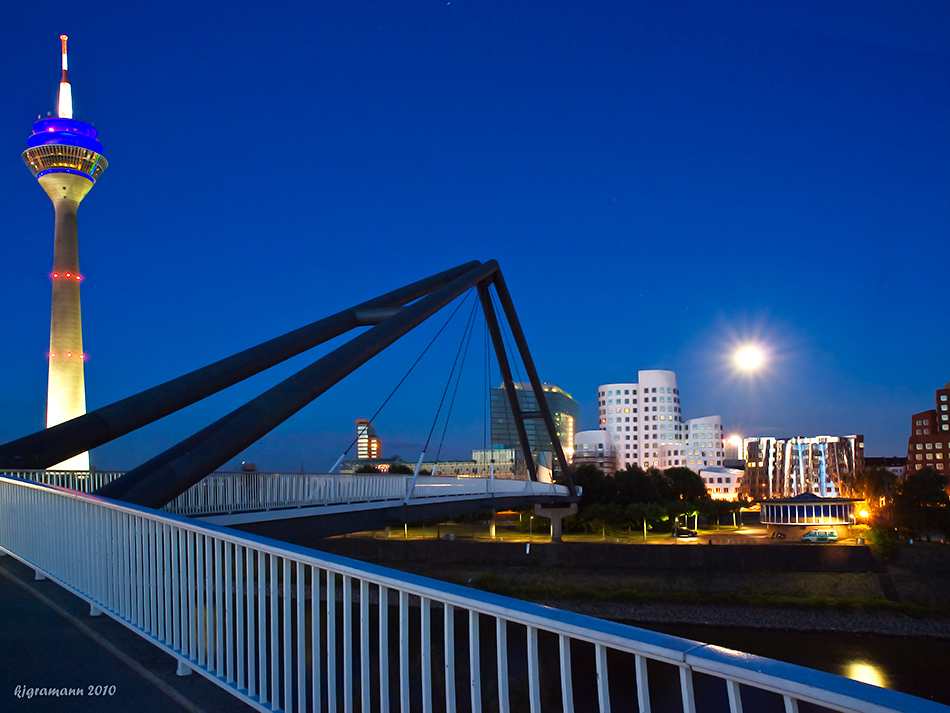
(227, 604)
(235, 492)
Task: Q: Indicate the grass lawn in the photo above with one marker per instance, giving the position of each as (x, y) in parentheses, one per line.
(509, 533)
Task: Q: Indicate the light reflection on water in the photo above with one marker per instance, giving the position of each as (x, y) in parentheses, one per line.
(912, 665)
(867, 672)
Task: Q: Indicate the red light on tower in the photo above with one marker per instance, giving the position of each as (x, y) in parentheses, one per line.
(55, 275)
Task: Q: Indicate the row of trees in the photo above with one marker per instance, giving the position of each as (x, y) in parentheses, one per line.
(641, 499)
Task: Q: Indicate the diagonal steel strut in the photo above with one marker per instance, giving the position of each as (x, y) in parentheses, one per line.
(54, 445)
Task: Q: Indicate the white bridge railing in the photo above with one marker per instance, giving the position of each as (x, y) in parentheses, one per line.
(288, 628)
(247, 492)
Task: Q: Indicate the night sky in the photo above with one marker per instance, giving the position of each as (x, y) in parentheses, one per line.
(660, 181)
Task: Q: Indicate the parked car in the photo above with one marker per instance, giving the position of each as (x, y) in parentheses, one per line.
(820, 536)
(684, 532)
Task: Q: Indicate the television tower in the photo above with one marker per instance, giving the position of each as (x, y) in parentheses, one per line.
(66, 159)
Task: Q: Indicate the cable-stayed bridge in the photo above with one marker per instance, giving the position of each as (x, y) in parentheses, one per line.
(287, 628)
(296, 507)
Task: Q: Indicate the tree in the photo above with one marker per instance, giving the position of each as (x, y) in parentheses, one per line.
(597, 487)
(366, 469)
(400, 469)
(634, 485)
(637, 512)
(604, 515)
(684, 484)
(921, 501)
(874, 484)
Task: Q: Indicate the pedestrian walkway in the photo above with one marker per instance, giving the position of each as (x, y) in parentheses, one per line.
(54, 656)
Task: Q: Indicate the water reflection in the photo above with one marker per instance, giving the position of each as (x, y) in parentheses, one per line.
(867, 672)
(915, 666)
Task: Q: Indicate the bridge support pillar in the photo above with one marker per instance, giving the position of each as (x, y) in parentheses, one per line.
(183, 668)
(39, 575)
(94, 610)
(491, 526)
(556, 515)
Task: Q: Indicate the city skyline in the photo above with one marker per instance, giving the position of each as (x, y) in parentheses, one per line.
(659, 182)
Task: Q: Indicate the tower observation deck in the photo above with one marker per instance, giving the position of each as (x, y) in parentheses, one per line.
(66, 158)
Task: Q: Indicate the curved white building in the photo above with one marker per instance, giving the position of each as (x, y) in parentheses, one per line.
(645, 422)
(642, 417)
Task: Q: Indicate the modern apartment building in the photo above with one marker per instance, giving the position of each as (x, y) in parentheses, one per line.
(929, 442)
(645, 422)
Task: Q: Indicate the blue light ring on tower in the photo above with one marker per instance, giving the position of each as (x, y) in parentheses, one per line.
(67, 132)
(56, 125)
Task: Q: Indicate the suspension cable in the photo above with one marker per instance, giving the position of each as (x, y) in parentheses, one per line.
(467, 340)
(448, 382)
(405, 376)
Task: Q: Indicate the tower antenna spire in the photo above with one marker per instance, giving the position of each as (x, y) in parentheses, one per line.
(65, 108)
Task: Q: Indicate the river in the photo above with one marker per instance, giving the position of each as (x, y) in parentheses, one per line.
(912, 665)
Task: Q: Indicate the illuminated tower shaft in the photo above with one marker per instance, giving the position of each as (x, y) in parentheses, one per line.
(66, 158)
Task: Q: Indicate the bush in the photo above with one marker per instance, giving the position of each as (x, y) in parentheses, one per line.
(884, 541)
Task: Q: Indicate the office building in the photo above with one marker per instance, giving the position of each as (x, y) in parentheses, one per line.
(929, 442)
(368, 445)
(66, 158)
(564, 410)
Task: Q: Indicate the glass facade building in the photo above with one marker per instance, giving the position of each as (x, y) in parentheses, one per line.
(564, 410)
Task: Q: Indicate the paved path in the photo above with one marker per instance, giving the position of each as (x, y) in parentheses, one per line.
(48, 640)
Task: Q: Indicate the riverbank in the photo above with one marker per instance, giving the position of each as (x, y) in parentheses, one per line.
(891, 623)
(789, 587)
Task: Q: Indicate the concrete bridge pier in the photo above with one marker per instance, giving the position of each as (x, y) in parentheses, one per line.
(556, 515)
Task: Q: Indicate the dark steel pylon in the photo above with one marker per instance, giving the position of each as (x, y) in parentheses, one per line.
(163, 478)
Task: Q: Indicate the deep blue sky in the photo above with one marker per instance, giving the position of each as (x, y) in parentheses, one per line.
(658, 180)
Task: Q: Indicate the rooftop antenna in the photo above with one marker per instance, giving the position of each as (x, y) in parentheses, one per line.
(65, 110)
